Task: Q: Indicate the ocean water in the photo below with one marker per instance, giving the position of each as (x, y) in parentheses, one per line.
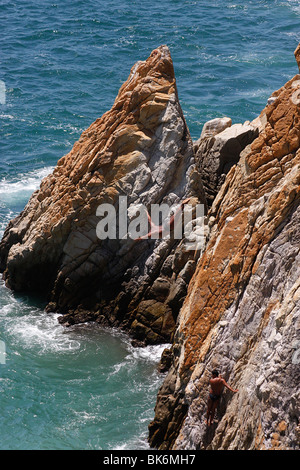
(62, 64)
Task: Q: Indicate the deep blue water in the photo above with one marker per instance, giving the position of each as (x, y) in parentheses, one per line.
(62, 65)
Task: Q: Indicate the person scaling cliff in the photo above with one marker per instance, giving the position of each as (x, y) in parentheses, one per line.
(156, 231)
(217, 384)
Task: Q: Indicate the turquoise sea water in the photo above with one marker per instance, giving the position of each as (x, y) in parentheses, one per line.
(62, 64)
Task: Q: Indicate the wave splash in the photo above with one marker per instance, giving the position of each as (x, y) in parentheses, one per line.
(27, 182)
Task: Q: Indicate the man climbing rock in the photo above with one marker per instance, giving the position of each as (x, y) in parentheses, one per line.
(217, 384)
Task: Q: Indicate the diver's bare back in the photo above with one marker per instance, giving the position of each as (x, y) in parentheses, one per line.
(217, 385)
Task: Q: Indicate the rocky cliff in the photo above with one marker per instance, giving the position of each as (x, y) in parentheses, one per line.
(141, 151)
(231, 302)
(242, 311)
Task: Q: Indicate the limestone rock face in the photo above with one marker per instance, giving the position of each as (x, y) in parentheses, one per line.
(242, 311)
(140, 149)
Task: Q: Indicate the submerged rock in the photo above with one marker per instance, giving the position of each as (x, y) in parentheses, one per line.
(141, 150)
(242, 311)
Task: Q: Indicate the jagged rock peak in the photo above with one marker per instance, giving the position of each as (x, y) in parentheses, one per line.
(140, 149)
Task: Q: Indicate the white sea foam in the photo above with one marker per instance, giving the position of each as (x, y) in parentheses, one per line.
(4, 221)
(28, 182)
(31, 328)
(42, 332)
(6, 116)
(294, 4)
(150, 353)
(16, 191)
(136, 443)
